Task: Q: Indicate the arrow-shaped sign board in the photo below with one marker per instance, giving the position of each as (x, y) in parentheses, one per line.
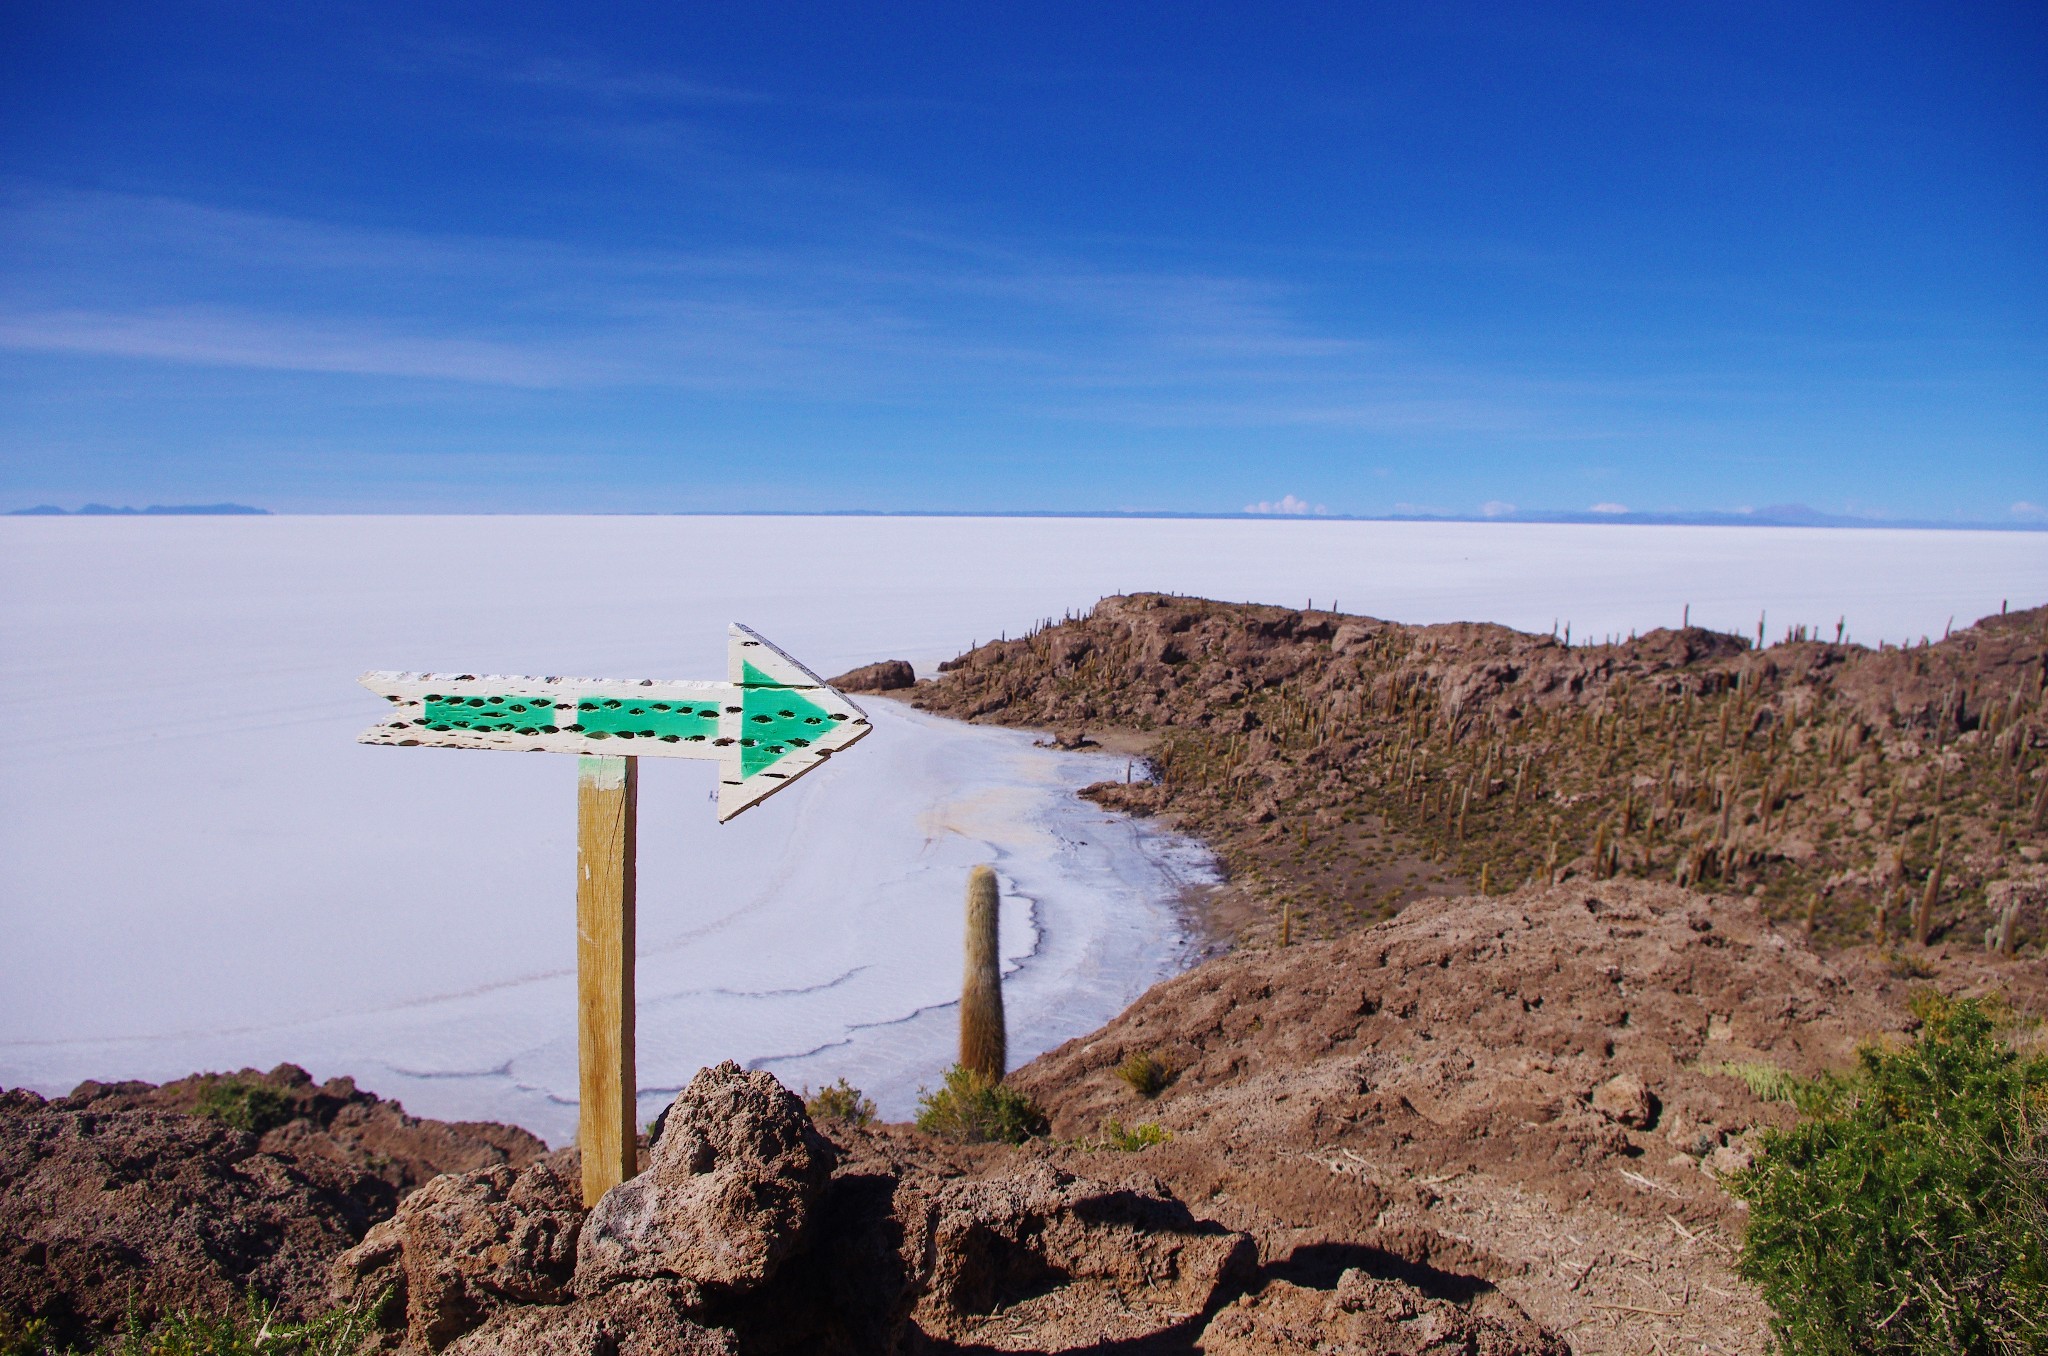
(768, 724)
(772, 721)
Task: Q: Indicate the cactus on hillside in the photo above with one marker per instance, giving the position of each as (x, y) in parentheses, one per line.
(984, 1043)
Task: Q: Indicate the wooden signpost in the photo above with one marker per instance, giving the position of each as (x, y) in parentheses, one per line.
(768, 724)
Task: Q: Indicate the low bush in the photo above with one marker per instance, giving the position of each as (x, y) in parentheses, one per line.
(1908, 1210)
(1145, 1072)
(244, 1104)
(976, 1109)
(1143, 1135)
(254, 1332)
(840, 1101)
(24, 1337)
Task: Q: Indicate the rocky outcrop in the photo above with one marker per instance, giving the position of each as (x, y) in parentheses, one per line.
(890, 675)
(297, 1118)
(750, 1232)
(133, 1198)
(638, 1318)
(104, 1211)
(467, 1244)
(1370, 1317)
(735, 1177)
(1075, 1263)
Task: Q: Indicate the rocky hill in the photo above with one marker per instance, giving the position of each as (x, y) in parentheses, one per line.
(1344, 765)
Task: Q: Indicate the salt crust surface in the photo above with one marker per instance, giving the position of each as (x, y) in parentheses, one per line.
(200, 869)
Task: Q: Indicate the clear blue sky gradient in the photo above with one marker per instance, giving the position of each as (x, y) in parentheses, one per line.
(971, 257)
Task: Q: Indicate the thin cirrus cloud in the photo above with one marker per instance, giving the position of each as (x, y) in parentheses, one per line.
(922, 319)
(224, 339)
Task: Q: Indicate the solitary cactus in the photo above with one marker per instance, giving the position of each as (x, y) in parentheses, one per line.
(1923, 919)
(984, 1044)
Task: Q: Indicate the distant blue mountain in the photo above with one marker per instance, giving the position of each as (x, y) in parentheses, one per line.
(107, 510)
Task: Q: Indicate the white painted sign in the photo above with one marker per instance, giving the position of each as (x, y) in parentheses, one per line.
(770, 722)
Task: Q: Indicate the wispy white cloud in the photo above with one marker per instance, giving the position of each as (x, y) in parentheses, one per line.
(854, 312)
(597, 80)
(1496, 508)
(224, 339)
(1608, 508)
(2029, 511)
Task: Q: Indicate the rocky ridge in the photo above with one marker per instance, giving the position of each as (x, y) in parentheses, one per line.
(132, 1198)
(1344, 765)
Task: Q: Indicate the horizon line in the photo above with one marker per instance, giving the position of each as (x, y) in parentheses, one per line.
(1790, 517)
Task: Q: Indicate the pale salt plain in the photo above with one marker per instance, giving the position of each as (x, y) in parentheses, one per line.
(199, 868)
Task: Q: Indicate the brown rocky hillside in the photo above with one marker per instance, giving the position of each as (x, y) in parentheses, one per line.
(1344, 765)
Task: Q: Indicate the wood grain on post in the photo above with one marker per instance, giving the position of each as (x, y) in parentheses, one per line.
(607, 804)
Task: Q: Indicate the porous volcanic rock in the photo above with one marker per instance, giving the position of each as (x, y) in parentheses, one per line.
(335, 1120)
(638, 1318)
(735, 1173)
(889, 675)
(107, 1211)
(1626, 1099)
(132, 1198)
(467, 1244)
(1067, 1261)
(1366, 1316)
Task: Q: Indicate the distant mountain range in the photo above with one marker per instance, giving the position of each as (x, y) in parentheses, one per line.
(107, 510)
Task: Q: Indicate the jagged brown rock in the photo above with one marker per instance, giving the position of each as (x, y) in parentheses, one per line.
(889, 675)
(467, 1244)
(102, 1211)
(734, 1176)
(122, 1198)
(1076, 1262)
(334, 1120)
(1626, 1099)
(637, 1318)
(1367, 1316)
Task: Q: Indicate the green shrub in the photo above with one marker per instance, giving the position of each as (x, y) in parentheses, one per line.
(24, 1337)
(1908, 1211)
(1143, 1135)
(244, 1104)
(976, 1109)
(840, 1102)
(1146, 1073)
(256, 1331)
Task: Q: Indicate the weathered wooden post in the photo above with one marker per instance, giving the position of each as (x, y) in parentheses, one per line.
(772, 721)
(607, 808)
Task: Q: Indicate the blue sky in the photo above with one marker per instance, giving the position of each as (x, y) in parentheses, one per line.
(968, 257)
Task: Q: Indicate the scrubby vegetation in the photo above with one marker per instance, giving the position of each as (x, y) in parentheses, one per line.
(975, 1109)
(243, 1103)
(1344, 766)
(1908, 1210)
(1145, 1073)
(839, 1101)
(255, 1331)
(1143, 1135)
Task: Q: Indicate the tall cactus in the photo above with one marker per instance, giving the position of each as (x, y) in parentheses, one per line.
(984, 1042)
